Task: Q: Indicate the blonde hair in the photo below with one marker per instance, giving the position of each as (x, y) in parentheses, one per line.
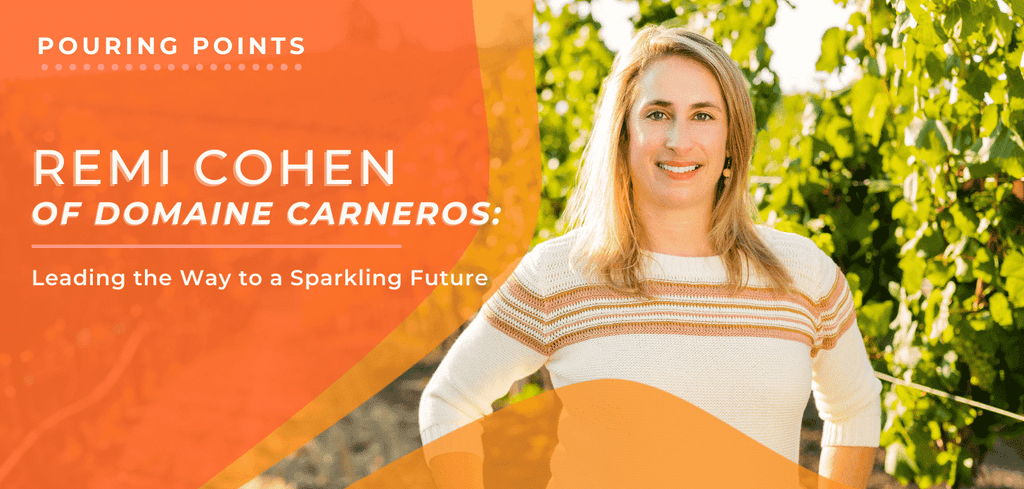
(602, 206)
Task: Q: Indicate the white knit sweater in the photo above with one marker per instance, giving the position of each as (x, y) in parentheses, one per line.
(749, 359)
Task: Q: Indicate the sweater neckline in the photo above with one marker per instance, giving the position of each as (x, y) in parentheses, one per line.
(695, 266)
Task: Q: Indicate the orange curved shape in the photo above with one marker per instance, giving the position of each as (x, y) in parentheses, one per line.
(607, 434)
(505, 49)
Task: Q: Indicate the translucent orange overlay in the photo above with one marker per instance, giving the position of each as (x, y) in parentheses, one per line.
(181, 386)
(600, 434)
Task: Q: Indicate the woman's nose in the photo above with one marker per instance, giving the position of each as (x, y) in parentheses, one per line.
(679, 137)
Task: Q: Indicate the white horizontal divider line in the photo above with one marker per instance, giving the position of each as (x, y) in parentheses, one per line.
(216, 246)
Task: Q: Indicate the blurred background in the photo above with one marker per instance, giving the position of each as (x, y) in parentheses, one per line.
(890, 133)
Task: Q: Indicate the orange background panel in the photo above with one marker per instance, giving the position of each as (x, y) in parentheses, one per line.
(177, 386)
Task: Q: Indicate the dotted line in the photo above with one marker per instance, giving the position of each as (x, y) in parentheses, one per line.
(172, 67)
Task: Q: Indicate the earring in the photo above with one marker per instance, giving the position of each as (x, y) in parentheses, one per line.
(727, 172)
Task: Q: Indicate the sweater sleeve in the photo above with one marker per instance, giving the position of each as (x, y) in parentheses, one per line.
(484, 362)
(846, 391)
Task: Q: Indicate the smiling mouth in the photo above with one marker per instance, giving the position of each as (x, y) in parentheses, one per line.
(679, 169)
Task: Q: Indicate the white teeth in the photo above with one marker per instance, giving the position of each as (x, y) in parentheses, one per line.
(678, 169)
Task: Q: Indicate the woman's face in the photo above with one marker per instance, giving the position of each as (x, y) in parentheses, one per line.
(677, 137)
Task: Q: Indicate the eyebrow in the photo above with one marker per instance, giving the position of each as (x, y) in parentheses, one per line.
(696, 105)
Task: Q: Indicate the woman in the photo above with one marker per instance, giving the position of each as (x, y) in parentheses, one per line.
(665, 264)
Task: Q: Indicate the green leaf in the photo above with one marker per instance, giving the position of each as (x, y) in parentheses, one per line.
(965, 218)
(1018, 7)
(837, 134)
(939, 32)
(877, 117)
(913, 272)
(824, 242)
(925, 33)
(1013, 271)
(983, 266)
(989, 119)
(977, 84)
(1000, 309)
(1007, 152)
(874, 318)
(936, 131)
(833, 50)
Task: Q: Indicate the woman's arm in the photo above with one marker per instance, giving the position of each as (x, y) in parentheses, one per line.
(479, 368)
(846, 394)
(848, 465)
(501, 345)
(486, 360)
(846, 391)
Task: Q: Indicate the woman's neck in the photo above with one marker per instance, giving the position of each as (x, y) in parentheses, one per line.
(679, 232)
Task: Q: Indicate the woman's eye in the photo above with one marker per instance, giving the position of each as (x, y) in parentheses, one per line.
(703, 116)
(657, 115)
